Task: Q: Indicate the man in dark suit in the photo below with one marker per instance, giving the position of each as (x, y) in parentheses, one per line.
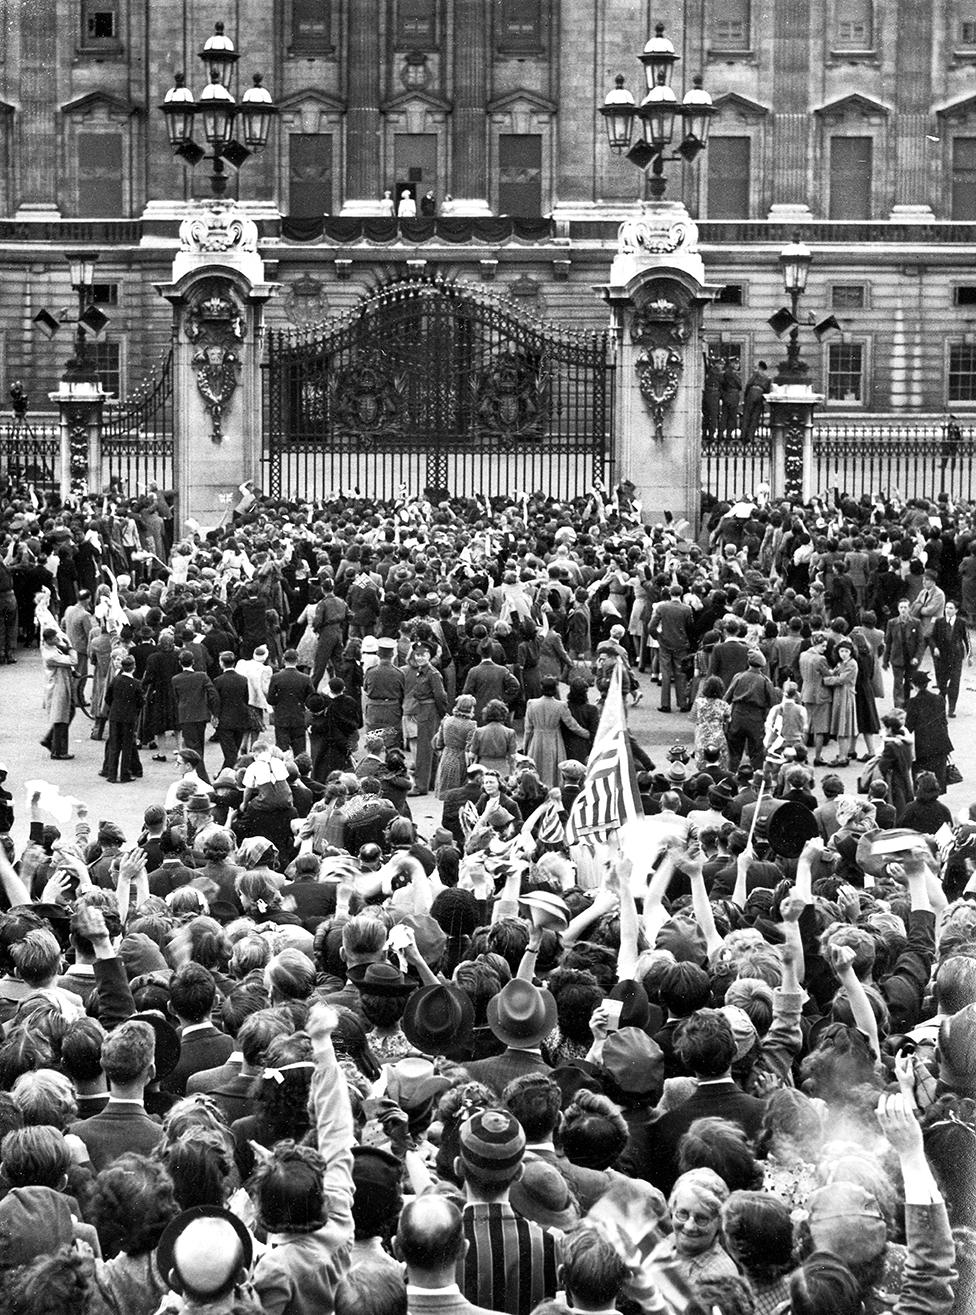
(216, 640)
(124, 699)
(705, 1045)
(196, 703)
(520, 1016)
(231, 1085)
(287, 693)
(925, 717)
(232, 716)
(128, 1055)
(950, 646)
(672, 625)
(191, 1001)
(489, 680)
(732, 655)
(902, 648)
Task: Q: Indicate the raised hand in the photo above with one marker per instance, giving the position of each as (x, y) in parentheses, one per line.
(840, 958)
(899, 1125)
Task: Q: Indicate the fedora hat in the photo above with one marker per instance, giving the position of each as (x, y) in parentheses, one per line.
(789, 829)
(384, 979)
(438, 1018)
(521, 1014)
(546, 909)
(412, 1082)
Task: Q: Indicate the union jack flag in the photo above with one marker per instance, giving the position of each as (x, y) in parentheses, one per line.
(609, 797)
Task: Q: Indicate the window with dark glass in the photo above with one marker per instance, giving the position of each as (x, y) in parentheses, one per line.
(520, 174)
(728, 24)
(309, 174)
(964, 295)
(733, 294)
(962, 372)
(963, 198)
(845, 372)
(850, 177)
(100, 193)
(310, 25)
(520, 25)
(853, 24)
(106, 359)
(728, 161)
(847, 296)
(105, 294)
(417, 23)
(967, 31)
(99, 22)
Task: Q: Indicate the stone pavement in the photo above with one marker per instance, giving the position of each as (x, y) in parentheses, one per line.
(23, 722)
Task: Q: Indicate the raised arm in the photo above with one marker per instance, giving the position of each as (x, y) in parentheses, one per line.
(841, 958)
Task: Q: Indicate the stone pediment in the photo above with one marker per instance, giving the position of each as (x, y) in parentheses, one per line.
(960, 108)
(100, 104)
(412, 101)
(522, 98)
(855, 104)
(312, 97)
(744, 106)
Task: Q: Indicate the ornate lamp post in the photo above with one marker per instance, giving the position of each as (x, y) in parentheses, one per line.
(794, 262)
(218, 112)
(82, 266)
(658, 113)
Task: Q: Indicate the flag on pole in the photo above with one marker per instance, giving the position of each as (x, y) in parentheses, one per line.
(609, 798)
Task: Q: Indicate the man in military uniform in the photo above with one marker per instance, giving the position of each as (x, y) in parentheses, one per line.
(384, 687)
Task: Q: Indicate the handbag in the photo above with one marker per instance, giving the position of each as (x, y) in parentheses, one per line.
(953, 775)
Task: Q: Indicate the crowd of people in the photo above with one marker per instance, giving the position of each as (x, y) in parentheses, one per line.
(286, 1049)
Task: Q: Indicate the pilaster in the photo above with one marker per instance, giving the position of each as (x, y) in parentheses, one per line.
(363, 136)
(469, 124)
(38, 150)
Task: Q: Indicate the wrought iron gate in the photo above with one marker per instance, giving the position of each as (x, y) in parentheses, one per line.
(30, 452)
(434, 384)
(733, 467)
(137, 436)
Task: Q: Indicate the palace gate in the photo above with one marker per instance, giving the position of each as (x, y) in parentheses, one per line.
(435, 384)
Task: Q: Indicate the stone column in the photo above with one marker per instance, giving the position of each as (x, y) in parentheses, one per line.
(218, 291)
(38, 146)
(469, 121)
(790, 94)
(657, 294)
(912, 119)
(363, 141)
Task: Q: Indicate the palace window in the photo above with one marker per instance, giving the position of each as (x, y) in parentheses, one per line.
(850, 177)
(99, 23)
(845, 373)
(967, 31)
(309, 174)
(729, 162)
(733, 294)
(847, 296)
(962, 372)
(106, 359)
(310, 26)
(100, 194)
(853, 25)
(963, 199)
(416, 24)
(727, 25)
(519, 25)
(520, 174)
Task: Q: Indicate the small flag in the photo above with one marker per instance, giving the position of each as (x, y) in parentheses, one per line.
(609, 797)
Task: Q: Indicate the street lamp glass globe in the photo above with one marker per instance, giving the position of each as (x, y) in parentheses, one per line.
(82, 267)
(795, 260)
(659, 58)
(219, 55)
(257, 110)
(698, 111)
(217, 108)
(179, 106)
(618, 112)
(657, 111)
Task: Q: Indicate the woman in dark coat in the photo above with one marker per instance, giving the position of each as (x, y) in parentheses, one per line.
(586, 714)
(159, 718)
(925, 717)
(865, 704)
(895, 763)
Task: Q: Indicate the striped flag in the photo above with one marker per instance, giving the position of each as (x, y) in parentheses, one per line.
(609, 797)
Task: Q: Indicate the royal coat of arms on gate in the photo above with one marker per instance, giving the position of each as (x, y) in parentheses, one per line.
(661, 326)
(215, 325)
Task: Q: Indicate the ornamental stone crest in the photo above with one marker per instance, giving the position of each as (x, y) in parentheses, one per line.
(215, 325)
(219, 226)
(661, 325)
(656, 235)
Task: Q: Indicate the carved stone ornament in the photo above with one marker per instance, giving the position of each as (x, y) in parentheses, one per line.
(512, 399)
(656, 236)
(218, 226)
(215, 325)
(661, 325)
